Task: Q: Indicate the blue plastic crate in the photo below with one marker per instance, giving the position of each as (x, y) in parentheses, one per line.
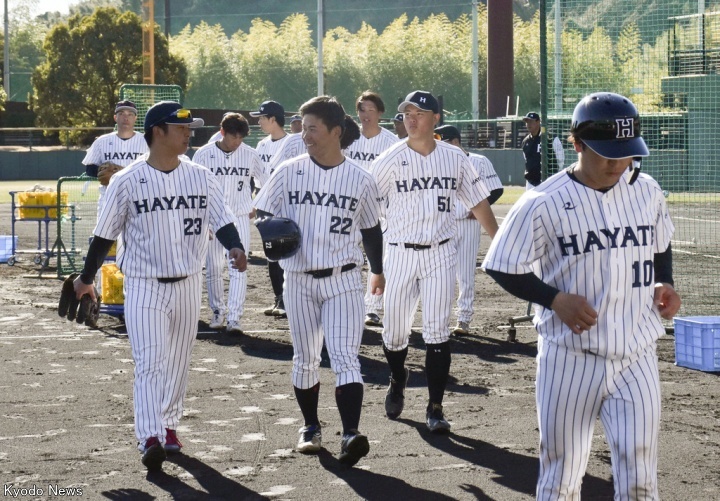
(6, 245)
(697, 343)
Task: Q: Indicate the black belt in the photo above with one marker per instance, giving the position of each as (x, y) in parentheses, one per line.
(170, 280)
(421, 246)
(328, 272)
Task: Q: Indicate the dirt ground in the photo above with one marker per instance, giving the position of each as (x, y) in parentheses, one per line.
(66, 421)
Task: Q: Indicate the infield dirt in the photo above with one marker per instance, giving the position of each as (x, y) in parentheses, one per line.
(66, 419)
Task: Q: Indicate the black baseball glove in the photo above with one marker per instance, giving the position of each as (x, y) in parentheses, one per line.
(83, 310)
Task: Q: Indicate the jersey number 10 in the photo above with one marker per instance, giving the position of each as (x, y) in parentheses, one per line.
(648, 268)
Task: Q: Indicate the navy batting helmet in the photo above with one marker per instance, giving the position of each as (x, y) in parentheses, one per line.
(609, 124)
(280, 236)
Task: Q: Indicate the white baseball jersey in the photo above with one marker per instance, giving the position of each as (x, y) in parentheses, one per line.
(419, 194)
(331, 206)
(467, 240)
(365, 150)
(598, 245)
(487, 173)
(233, 170)
(112, 148)
(421, 191)
(273, 153)
(163, 218)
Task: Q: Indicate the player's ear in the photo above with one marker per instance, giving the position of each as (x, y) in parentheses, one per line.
(579, 146)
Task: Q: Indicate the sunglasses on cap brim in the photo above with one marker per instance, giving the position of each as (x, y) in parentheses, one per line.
(182, 114)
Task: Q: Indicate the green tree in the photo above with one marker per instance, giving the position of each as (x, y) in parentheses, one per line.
(208, 55)
(87, 60)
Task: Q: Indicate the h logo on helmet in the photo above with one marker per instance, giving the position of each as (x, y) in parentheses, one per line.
(625, 127)
(422, 99)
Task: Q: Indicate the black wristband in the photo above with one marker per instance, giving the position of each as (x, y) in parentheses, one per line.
(229, 237)
(372, 239)
(99, 248)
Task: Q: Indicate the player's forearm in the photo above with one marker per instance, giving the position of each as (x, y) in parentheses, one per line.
(527, 286)
(99, 248)
(484, 214)
(373, 243)
(229, 237)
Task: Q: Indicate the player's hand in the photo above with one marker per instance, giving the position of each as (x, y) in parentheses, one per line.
(251, 214)
(377, 284)
(81, 289)
(667, 300)
(574, 311)
(238, 259)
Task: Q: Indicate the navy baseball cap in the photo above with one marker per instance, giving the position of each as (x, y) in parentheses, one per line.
(125, 105)
(269, 109)
(170, 112)
(422, 99)
(448, 132)
(531, 116)
(399, 118)
(295, 118)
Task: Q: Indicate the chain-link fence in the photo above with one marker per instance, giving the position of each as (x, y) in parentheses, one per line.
(667, 60)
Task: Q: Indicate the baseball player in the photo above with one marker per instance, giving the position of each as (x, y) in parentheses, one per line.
(115, 150)
(277, 147)
(532, 151)
(599, 235)
(419, 181)
(234, 164)
(467, 241)
(399, 126)
(372, 142)
(334, 201)
(162, 205)
(296, 124)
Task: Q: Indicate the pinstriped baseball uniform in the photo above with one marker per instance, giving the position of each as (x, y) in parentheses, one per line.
(364, 151)
(233, 170)
(420, 193)
(330, 206)
(273, 153)
(468, 240)
(599, 245)
(112, 148)
(164, 219)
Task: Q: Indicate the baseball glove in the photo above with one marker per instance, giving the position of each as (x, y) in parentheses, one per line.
(83, 310)
(106, 171)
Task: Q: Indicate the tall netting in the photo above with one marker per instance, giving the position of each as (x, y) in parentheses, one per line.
(666, 58)
(75, 227)
(145, 95)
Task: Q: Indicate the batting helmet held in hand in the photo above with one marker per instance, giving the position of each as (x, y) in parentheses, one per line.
(609, 124)
(280, 236)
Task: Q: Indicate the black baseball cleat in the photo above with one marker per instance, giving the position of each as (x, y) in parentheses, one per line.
(153, 454)
(395, 398)
(354, 446)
